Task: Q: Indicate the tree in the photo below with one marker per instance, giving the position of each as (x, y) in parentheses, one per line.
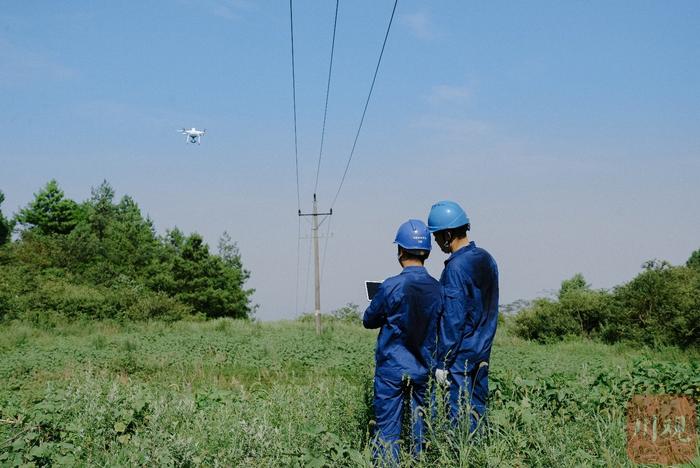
(575, 283)
(694, 260)
(661, 306)
(210, 284)
(236, 274)
(133, 237)
(112, 240)
(101, 208)
(50, 212)
(228, 252)
(105, 255)
(5, 225)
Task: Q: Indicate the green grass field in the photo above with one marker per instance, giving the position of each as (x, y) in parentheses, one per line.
(237, 393)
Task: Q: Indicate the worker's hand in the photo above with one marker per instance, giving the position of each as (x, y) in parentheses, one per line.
(441, 376)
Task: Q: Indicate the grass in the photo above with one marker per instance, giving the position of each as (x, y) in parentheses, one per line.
(237, 393)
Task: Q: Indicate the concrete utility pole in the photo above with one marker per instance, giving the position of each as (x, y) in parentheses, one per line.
(317, 274)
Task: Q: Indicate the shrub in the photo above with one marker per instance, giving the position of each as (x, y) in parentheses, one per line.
(58, 296)
(590, 309)
(661, 306)
(349, 313)
(544, 322)
(52, 295)
(157, 306)
(578, 310)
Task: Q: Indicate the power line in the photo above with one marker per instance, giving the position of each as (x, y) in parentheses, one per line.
(369, 95)
(294, 100)
(328, 88)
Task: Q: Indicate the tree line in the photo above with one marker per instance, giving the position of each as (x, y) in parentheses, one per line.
(102, 258)
(660, 306)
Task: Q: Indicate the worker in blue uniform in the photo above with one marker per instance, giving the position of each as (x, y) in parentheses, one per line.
(470, 316)
(406, 308)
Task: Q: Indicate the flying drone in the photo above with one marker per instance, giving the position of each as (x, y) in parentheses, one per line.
(192, 135)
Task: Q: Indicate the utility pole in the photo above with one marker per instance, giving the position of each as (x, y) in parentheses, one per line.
(317, 274)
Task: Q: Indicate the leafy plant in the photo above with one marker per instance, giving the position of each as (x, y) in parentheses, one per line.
(661, 306)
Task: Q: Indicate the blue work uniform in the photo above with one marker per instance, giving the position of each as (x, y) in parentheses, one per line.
(467, 328)
(407, 308)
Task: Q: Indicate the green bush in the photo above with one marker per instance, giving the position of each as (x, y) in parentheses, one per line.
(61, 297)
(578, 310)
(590, 310)
(55, 297)
(661, 306)
(156, 306)
(544, 321)
(349, 313)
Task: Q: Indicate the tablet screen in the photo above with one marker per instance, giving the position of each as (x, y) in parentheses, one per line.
(371, 288)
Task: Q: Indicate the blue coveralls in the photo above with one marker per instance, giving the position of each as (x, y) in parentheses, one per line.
(407, 308)
(467, 327)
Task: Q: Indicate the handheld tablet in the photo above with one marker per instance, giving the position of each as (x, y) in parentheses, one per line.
(371, 288)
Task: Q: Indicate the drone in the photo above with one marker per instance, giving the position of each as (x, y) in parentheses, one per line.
(192, 135)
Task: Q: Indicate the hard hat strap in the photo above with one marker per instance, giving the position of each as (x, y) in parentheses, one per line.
(448, 239)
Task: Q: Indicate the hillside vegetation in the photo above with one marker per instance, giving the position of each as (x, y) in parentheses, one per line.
(106, 358)
(239, 393)
(661, 306)
(103, 259)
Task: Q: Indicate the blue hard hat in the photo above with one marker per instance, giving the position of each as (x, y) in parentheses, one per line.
(413, 235)
(446, 215)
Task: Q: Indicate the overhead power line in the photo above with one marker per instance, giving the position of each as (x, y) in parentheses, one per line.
(364, 111)
(294, 101)
(315, 214)
(296, 150)
(328, 88)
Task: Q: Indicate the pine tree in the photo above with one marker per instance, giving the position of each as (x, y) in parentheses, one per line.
(50, 212)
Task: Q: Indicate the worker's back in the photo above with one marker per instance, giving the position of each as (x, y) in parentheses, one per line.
(470, 274)
(407, 308)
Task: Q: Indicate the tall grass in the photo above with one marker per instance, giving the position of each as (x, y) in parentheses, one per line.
(237, 393)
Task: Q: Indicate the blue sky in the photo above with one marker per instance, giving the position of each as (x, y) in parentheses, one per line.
(568, 130)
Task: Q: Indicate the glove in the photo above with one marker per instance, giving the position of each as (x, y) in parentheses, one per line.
(441, 376)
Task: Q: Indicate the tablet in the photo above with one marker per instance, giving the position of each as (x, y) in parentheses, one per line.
(371, 288)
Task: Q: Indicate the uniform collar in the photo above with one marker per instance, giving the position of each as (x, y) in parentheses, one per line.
(413, 269)
(470, 246)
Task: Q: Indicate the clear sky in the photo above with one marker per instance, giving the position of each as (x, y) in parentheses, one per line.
(569, 131)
